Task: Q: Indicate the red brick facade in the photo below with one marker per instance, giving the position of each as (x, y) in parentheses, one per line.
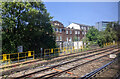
(64, 34)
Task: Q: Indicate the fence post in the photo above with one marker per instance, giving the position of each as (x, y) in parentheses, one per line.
(18, 57)
(41, 52)
(44, 54)
(25, 56)
(9, 58)
(33, 55)
(54, 52)
(49, 53)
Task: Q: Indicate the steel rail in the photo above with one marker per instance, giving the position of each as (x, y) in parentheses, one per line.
(61, 64)
(58, 73)
(89, 75)
(93, 50)
(57, 60)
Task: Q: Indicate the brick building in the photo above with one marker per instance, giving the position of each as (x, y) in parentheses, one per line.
(73, 32)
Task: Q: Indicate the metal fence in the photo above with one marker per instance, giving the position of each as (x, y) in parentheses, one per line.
(16, 57)
(47, 54)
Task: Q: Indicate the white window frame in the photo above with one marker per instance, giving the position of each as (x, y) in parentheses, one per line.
(60, 38)
(75, 32)
(70, 31)
(57, 38)
(78, 32)
(78, 38)
(66, 31)
(67, 39)
(83, 33)
(56, 29)
(82, 27)
(60, 30)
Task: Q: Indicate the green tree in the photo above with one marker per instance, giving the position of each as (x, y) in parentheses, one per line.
(92, 34)
(101, 38)
(111, 33)
(26, 24)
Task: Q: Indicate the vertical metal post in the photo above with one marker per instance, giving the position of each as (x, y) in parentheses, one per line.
(33, 55)
(44, 54)
(41, 53)
(18, 57)
(64, 50)
(73, 49)
(9, 58)
(25, 56)
(49, 52)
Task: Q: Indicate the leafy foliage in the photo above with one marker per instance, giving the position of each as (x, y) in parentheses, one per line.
(110, 34)
(92, 34)
(26, 24)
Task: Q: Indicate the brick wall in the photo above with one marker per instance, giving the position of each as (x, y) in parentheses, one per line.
(64, 34)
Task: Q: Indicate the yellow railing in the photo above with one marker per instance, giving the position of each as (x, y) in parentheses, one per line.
(53, 52)
(16, 57)
(110, 43)
(48, 53)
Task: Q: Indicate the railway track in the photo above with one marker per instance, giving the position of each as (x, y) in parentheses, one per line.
(12, 71)
(111, 69)
(51, 71)
(33, 61)
(67, 70)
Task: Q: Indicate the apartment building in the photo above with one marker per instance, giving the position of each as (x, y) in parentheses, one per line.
(73, 32)
(101, 26)
(80, 29)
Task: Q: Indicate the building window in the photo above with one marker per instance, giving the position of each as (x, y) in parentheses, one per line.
(61, 38)
(78, 38)
(75, 32)
(83, 33)
(78, 32)
(84, 28)
(66, 31)
(70, 38)
(60, 30)
(67, 38)
(56, 24)
(57, 38)
(54, 29)
(57, 29)
(70, 32)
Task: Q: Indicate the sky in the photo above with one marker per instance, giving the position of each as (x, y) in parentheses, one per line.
(87, 13)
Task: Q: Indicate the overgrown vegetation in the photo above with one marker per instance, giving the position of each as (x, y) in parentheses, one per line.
(110, 34)
(26, 24)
